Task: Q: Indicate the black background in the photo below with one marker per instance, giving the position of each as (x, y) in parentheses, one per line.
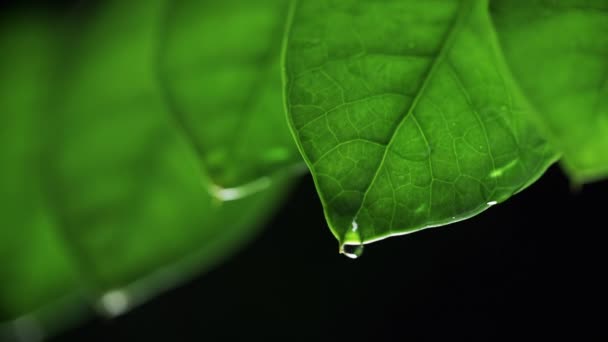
(531, 268)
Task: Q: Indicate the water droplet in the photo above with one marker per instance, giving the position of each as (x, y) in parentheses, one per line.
(352, 251)
(352, 243)
(491, 203)
(411, 45)
(352, 236)
(504, 108)
(114, 303)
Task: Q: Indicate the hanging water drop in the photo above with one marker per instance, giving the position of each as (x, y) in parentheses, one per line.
(352, 251)
(352, 243)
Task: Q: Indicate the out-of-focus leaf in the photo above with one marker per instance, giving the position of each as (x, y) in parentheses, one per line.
(558, 52)
(125, 210)
(220, 63)
(406, 114)
(35, 269)
(126, 187)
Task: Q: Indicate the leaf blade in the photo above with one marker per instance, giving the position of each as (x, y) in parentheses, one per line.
(563, 75)
(118, 161)
(35, 268)
(238, 87)
(355, 71)
(124, 191)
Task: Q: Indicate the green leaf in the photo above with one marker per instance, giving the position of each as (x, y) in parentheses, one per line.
(558, 52)
(222, 76)
(35, 268)
(123, 180)
(102, 195)
(405, 114)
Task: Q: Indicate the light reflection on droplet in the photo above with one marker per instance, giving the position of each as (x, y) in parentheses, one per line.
(352, 251)
(491, 203)
(352, 243)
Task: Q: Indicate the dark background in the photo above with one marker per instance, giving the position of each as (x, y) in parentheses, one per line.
(533, 267)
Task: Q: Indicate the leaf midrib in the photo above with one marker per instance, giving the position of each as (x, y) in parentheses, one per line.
(463, 11)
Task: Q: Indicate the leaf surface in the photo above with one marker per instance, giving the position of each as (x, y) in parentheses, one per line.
(558, 52)
(405, 114)
(102, 194)
(35, 268)
(221, 72)
(126, 185)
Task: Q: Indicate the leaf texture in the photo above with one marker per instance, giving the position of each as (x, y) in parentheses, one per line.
(405, 114)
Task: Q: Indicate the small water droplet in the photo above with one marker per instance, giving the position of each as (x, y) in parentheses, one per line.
(352, 243)
(352, 251)
(411, 45)
(504, 108)
(491, 203)
(114, 303)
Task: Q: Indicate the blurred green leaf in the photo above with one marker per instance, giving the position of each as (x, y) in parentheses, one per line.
(35, 268)
(406, 114)
(220, 62)
(558, 51)
(126, 185)
(103, 195)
